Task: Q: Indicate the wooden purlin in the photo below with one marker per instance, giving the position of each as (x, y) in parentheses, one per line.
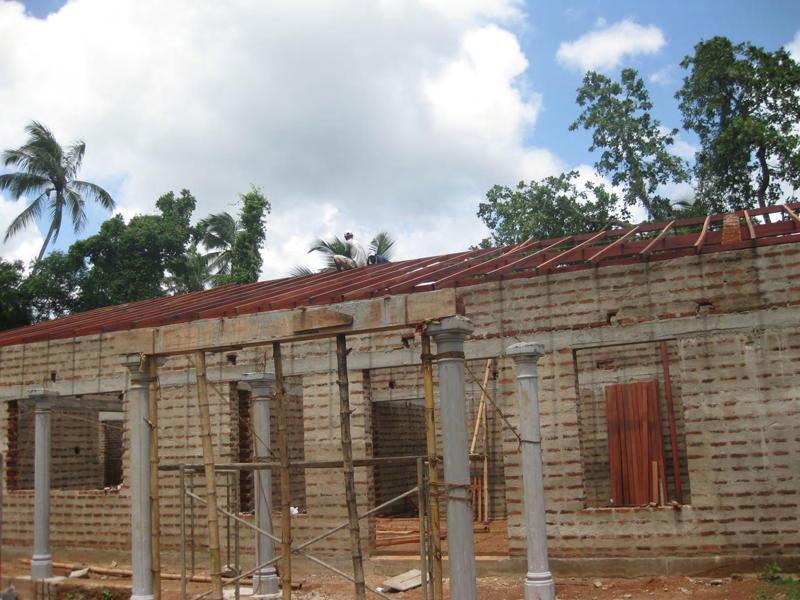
(526, 261)
(596, 257)
(649, 248)
(703, 234)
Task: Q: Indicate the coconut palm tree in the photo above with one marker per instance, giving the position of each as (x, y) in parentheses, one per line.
(48, 174)
(381, 244)
(217, 233)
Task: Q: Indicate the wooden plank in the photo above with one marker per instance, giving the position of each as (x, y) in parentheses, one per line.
(703, 233)
(614, 449)
(749, 221)
(645, 252)
(317, 319)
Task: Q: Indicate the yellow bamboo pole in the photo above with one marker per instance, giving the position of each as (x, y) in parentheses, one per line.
(211, 484)
(286, 492)
(348, 469)
(481, 407)
(433, 466)
(155, 513)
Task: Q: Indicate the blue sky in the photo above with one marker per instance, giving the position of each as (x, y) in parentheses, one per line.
(392, 114)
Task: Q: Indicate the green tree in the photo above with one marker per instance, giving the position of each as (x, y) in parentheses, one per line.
(53, 285)
(549, 208)
(191, 274)
(245, 252)
(48, 174)
(744, 105)
(129, 262)
(14, 305)
(634, 146)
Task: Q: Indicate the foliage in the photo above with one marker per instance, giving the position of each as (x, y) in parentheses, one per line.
(191, 273)
(127, 262)
(218, 232)
(382, 244)
(779, 586)
(744, 104)
(245, 252)
(53, 285)
(14, 305)
(549, 208)
(48, 174)
(635, 147)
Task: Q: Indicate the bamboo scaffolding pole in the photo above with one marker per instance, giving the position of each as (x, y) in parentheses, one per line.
(155, 513)
(481, 406)
(348, 468)
(433, 468)
(286, 499)
(673, 429)
(486, 516)
(211, 484)
(423, 560)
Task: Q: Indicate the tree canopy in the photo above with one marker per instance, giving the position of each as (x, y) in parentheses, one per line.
(743, 103)
(634, 145)
(550, 208)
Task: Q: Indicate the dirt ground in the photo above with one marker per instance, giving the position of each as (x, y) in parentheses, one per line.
(507, 587)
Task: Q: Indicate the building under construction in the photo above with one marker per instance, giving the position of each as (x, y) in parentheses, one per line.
(370, 405)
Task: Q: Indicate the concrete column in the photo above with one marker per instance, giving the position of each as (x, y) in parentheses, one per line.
(42, 561)
(262, 386)
(141, 524)
(449, 335)
(538, 581)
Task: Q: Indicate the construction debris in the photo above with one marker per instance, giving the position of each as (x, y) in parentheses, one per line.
(404, 582)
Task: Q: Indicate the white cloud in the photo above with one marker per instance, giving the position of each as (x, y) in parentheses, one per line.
(793, 47)
(680, 147)
(664, 76)
(606, 47)
(24, 246)
(395, 115)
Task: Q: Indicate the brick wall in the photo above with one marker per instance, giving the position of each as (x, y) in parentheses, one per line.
(732, 324)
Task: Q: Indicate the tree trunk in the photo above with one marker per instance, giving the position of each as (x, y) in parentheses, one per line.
(46, 241)
(761, 193)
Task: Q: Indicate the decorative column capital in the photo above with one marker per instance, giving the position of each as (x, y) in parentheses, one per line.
(451, 330)
(137, 365)
(262, 385)
(526, 356)
(43, 399)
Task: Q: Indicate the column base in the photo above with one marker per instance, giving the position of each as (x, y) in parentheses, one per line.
(539, 586)
(266, 584)
(41, 566)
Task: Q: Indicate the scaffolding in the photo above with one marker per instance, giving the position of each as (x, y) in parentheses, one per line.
(427, 491)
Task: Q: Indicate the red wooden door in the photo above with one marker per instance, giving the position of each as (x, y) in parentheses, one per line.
(635, 445)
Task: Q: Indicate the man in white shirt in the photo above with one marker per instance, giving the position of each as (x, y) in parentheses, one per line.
(355, 250)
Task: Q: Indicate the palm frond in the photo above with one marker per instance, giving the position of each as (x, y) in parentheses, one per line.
(333, 246)
(382, 244)
(300, 271)
(23, 184)
(31, 213)
(219, 231)
(74, 158)
(93, 192)
(77, 209)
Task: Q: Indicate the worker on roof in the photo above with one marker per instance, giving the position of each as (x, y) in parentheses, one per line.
(355, 250)
(376, 259)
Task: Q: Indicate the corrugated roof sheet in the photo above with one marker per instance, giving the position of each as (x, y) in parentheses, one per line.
(645, 242)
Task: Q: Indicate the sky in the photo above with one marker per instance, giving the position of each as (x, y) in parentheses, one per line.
(362, 115)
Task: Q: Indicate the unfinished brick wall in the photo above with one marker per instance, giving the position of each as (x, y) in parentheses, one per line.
(76, 454)
(600, 367)
(399, 430)
(733, 326)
